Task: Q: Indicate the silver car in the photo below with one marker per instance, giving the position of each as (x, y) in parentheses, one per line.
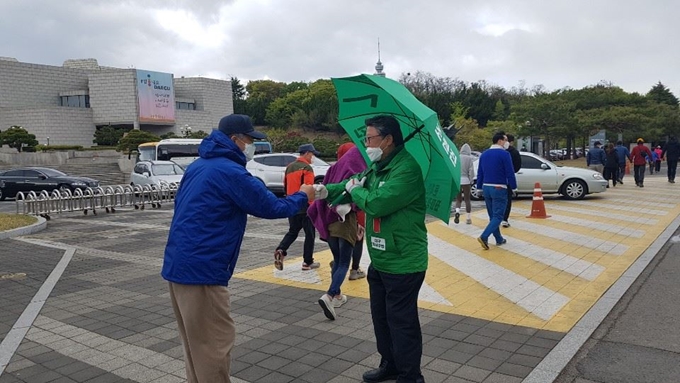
(156, 172)
(571, 183)
(270, 169)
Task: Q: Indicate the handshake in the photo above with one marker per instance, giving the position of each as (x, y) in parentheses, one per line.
(318, 191)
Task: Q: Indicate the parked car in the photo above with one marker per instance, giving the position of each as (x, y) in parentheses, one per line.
(270, 169)
(262, 147)
(38, 179)
(155, 172)
(571, 183)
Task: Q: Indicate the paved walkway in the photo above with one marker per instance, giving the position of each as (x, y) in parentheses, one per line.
(83, 300)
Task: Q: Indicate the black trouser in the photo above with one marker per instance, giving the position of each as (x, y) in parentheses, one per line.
(672, 167)
(356, 253)
(639, 174)
(622, 170)
(394, 310)
(610, 174)
(509, 205)
(657, 166)
(296, 223)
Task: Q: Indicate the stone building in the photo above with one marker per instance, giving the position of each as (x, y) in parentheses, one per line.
(64, 105)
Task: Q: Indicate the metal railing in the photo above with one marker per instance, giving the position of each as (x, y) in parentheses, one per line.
(107, 198)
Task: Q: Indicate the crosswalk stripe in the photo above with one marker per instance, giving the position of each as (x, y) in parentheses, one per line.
(597, 213)
(629, 207)
(555, 259)
(607, 227)
(602, 245)
(529, 295)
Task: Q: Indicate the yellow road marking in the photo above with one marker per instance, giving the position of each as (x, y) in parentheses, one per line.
(471, 298)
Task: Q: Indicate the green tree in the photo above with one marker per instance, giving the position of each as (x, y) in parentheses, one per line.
(314, 107)
(18, 138)
(662, 95)
(169, 135)
(197, 134)
(107, 136)
(547, 115)
(134, 138)
(238, 92)
(261, 93)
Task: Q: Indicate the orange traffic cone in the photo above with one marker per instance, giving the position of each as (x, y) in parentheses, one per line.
(537, 206)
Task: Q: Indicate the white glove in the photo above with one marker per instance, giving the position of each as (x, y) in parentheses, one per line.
(354, 183)
(342, 210)
(320, 191)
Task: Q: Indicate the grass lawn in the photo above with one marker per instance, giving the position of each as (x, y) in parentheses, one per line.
(13, 221)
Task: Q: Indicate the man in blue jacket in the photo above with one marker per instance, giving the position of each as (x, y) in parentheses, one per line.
(495, 174)
(624, 154)
(211, 207)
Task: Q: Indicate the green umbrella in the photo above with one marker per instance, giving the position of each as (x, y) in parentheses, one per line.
(364, 96)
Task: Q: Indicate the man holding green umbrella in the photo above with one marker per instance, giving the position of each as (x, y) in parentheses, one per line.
(392, 193)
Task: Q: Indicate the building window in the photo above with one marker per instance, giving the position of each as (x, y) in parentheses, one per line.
(185, 105)
(82, 101)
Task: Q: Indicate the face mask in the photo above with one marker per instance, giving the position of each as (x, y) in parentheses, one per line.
(249, 151)
(374, 154)
(506, 145)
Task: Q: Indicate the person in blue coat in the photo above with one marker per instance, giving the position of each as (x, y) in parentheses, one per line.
(211, 207)
(495, 173)
(624, 154)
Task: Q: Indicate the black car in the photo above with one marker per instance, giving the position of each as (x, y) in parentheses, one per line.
(39, 179)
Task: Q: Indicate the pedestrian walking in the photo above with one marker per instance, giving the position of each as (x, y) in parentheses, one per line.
(595, 158)
(516, 165)
(638, 157)
(211, 208)
(392, 193)
(623, 155)
(494, 175)
(671, 152)
(657, 158)
(355, 271)
(298, 173)
(339, 226)
(467, 174)
(611, 166)
(651, 160)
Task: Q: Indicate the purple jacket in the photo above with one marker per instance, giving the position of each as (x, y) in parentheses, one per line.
(348, 165)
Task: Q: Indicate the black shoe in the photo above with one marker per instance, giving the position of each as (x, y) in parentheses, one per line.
(456, 218)
(641, 185)
(380, 374)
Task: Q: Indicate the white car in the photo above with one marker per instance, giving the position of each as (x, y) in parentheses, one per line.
(270, 169)
(571, 183)
(155, 172)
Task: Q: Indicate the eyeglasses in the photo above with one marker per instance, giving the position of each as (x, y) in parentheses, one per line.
(367, 139)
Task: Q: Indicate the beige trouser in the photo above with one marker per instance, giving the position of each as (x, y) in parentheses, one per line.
(206, 329)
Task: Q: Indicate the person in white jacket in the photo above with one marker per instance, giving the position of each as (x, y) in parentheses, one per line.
(467, 175)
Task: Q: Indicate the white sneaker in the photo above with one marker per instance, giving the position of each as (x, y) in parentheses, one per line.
(337, 302)
(326, 304)
(505, 224)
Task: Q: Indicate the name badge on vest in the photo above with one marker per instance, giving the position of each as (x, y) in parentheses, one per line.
(378, 243)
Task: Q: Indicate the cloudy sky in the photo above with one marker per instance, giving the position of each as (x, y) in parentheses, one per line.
(556, 43)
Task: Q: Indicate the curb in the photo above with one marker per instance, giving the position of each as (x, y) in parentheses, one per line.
(26, 230)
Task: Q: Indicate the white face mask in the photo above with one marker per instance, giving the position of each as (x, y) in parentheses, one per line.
(374, 154)
(506, 145)
(249, 151)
